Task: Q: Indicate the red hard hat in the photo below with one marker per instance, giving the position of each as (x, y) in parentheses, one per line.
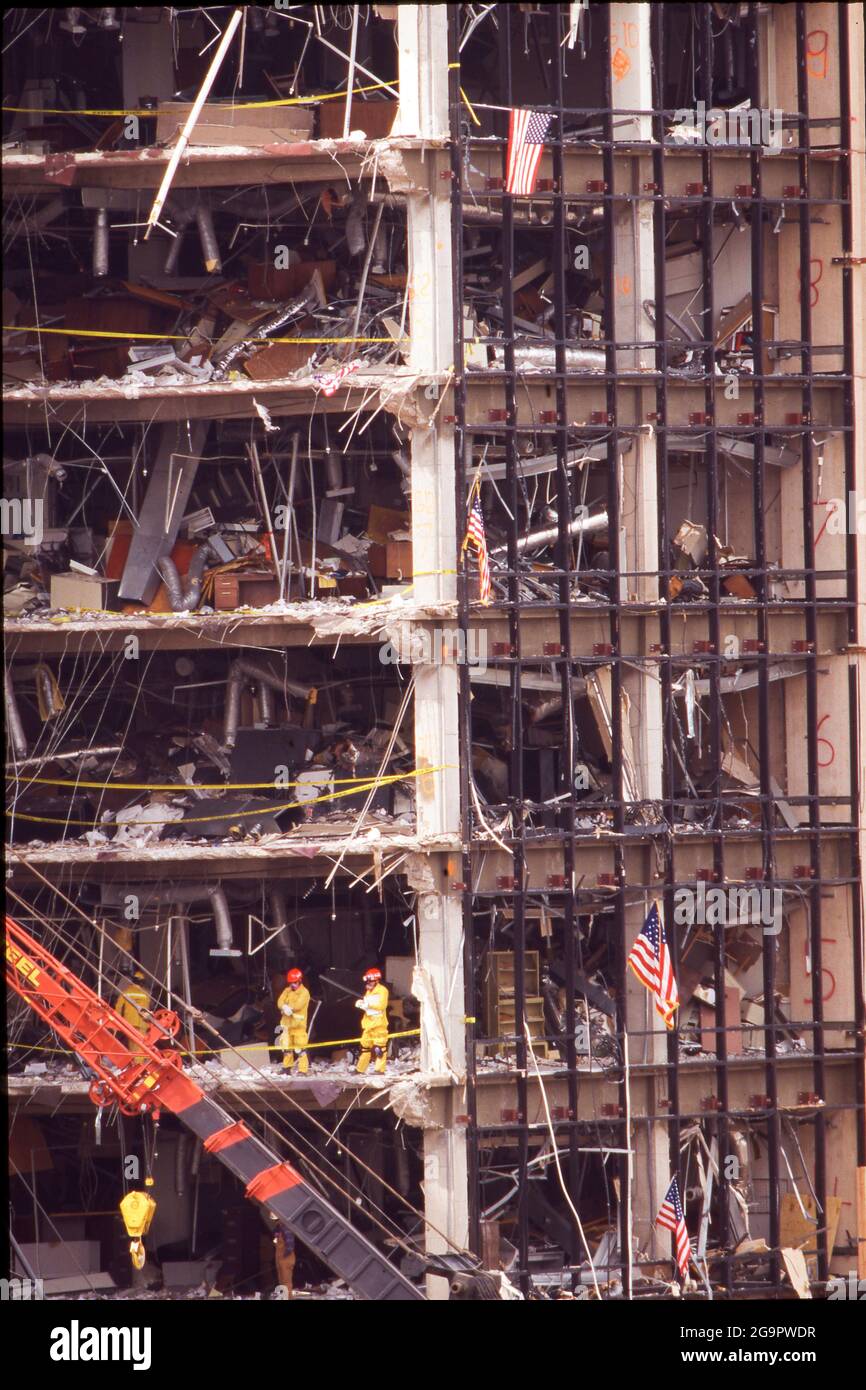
(294, 977)
(372, 974)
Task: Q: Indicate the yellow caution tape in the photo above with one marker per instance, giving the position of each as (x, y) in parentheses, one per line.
(355, 790)
(429, 574)
(215, 787)
(342, 1042)
(253, 1042)
(469, 106)
(235, 105)
(229, 1047)
(171, 337)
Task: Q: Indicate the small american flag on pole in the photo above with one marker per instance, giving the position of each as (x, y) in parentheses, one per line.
(477, 538)
(672, 1217)
(650, 960)
(526, 132)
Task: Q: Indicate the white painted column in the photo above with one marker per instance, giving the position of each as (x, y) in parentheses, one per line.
(423, 48)
(634, 282)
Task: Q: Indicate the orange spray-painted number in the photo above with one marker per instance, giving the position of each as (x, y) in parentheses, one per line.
(817, 54)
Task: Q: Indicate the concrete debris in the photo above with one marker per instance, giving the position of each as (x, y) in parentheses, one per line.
(142, 825)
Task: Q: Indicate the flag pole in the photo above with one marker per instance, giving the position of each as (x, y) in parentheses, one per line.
(475, 488)
(629, 1212)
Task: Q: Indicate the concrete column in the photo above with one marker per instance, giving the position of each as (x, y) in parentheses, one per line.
(443, 1033)
(423, 48)
(422, 39)
(445, 1186)
(631, 74)
(634, 282)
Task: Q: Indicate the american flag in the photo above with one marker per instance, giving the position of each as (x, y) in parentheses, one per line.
(650, 960)
(476, 537)
(672, 1217)
(526, 132)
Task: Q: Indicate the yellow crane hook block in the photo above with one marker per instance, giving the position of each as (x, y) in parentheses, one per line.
(137, 1210)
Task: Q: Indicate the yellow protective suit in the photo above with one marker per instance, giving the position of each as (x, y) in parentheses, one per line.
(129, 1003)
(374, 1028)
(294, 1005)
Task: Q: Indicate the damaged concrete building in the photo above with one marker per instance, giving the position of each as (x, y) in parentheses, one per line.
(434, 537)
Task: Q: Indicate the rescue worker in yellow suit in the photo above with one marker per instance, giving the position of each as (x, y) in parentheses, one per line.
(374, 1025)
(294, 1004)
(132, 998)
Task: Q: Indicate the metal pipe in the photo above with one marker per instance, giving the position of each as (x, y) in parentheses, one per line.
(100, 242)
(487, 216)
(333, 470)
(183, 219)
(365, 272)
(187, 990)
(263, 330)
(172, 581)
(347, 115)
(380, 252)
(17, 736)
(189, 124)
(252, 450)
(242, 671)
(280, 922)
(267, 706)
(186, 594)
(100, 752)
(581, 526)
(51, 701)
(355, 239)
(222, 918)
(255, 672)
(195, 575)
(209, 245)
(576, 359)
(114, 895)
(232, 716)
(290, 501)
(279, 910)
